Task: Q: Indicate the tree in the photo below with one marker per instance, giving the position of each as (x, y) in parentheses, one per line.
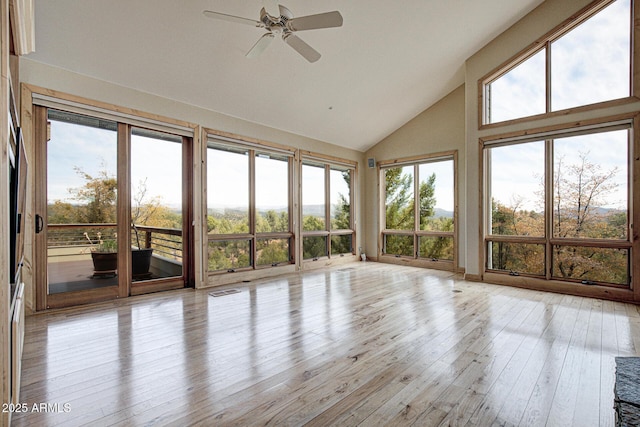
(580, 189)
(400, 209)
(272, 251)
(578, 196)
(399, 212)
(96, 203)
(313, 246)
(427, 201)
(145, 210)
(97, 198)
(272, 221)
(341, 220)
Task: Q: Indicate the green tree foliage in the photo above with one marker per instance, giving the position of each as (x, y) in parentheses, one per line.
(97, 197)
(400, 211)
(579, 190)
(230, 222)
(272, 251)
(399, 200)
(96, 203)
(314, 247)
(341, 219)
(427, 201)
(272, 222)
(228, 255)
(342, 215)
(232, 254)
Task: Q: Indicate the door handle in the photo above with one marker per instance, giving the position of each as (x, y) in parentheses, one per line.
(39, 224)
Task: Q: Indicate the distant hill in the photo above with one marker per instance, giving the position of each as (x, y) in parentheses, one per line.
(315, 210)
(442, 213)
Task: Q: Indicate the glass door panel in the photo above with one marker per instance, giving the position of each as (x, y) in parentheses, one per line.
(81, 197)
(157, 243)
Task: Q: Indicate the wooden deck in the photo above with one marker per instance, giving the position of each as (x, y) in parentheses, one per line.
(75, 275)
(361, 344)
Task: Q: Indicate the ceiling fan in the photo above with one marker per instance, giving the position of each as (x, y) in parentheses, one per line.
(284, 25)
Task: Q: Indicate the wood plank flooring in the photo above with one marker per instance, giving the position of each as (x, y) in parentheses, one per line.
(360, 344)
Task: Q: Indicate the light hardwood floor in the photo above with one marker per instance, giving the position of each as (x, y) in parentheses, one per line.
(361, 344)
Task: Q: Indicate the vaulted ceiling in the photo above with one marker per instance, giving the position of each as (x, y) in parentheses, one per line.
(387, 63)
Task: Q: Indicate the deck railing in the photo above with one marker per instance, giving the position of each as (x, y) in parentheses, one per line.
(78, 239)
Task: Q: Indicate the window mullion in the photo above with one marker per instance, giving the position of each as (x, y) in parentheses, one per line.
(548, 208)
(252, 206)
(327, 207)
(416, 208)
(548, 76)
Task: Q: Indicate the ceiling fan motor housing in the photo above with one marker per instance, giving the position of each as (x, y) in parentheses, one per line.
(276, 21)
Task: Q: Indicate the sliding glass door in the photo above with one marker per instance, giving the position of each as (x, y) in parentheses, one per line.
(112, 209)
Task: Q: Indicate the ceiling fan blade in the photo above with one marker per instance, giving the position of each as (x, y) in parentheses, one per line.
(260, 45)
(232, 18)
(314, 22)
(309, 53)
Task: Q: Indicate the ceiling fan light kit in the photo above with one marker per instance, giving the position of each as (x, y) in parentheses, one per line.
(284, 26)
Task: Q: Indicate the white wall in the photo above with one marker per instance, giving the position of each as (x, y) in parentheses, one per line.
(43, 75)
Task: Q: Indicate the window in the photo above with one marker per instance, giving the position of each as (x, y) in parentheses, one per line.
(327, 226)
(590, 62)
(419, 212)
(558, 207)
(248, 206)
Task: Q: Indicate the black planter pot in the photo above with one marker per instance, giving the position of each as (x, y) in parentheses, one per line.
(104, 263)
(140, 261)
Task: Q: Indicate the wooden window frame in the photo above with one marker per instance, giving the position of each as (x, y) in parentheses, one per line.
(545, 42)
(329, 163)
(416, 233)
(253, 146)
(549, 283)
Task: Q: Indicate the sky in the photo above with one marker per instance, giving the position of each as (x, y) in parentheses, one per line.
(71, 146)
(588, 64)
(93, 150)
(517, 170)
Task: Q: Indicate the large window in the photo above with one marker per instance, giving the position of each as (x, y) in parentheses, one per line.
(587, 63)
(419, 212)
(327, 226)
(559, 207)
(248, 206)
